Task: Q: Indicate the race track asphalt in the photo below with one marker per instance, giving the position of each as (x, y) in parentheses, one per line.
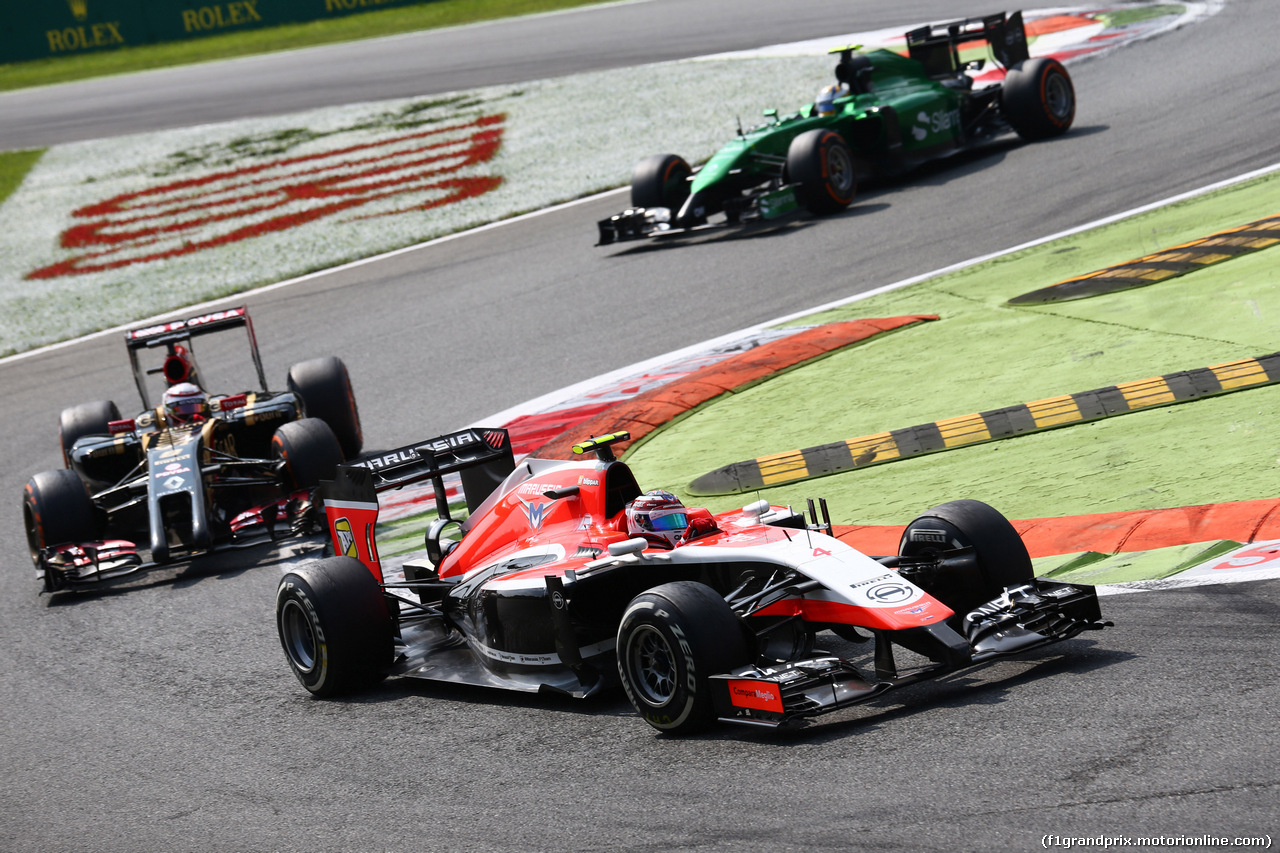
(429, 62)
(163, 717)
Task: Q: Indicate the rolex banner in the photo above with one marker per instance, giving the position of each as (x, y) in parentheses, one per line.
(53, 28)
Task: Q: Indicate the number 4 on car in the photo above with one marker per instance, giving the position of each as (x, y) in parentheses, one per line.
(565, 577)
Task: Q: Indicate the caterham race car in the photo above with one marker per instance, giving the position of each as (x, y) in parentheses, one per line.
(565, 577)
(197, 473)
(884, 115)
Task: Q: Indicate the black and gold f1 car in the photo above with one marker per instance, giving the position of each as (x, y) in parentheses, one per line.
(157, 488)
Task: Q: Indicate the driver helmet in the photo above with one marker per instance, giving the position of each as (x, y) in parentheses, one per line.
(659, 517)
(185, 403)
(825, 105)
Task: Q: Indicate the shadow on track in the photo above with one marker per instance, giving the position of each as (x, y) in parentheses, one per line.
(186, 574)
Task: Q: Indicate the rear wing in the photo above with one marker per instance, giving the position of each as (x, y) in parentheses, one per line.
(481, 456)
(936, 46)
(179, 364)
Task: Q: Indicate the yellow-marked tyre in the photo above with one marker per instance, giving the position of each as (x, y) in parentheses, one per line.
(334, 625)
(670, 640)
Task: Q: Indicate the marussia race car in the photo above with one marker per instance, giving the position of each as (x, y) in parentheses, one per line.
(542, 589)
(239, 474)
(886, 114)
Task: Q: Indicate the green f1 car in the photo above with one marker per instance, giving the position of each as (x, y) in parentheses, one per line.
(885, 115)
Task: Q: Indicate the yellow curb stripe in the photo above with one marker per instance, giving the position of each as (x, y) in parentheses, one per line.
(1147, 392)
(1164, 264)
(1240, 374)
(963, 430)
(794, 465)
(1054, 411)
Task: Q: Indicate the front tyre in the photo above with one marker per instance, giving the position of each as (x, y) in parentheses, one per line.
(670, 640)
(334, 625)
(325, 388)
(1038, 99)
(660, 181)
(999, 557)
(820, 164)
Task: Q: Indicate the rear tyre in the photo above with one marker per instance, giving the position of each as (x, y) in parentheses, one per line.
(310, 451)
(85, 419)
(334, 625)
(1038, 99)
(660, 181)
(670, 640)
(57, 509)
(820, 165)
(325, 388)
(1000, 556)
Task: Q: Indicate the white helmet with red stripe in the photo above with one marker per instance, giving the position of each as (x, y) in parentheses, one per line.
(185, 403)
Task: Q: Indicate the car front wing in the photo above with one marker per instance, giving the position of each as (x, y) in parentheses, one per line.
(1022, 618)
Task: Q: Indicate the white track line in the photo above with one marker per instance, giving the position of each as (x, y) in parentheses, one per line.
(680, 353)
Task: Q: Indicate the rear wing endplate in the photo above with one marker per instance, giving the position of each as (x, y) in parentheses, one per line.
(176, 331)
(481, 456)
(936, 46)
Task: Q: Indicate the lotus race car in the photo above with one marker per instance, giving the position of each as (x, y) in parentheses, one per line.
(239, 471)
(885, 115)
(541, 588)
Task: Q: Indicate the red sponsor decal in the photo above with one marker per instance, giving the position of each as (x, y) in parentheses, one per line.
(351, 528)
(1248, 558)
(757, 695)
(175, 325)
(817, 610)
(190, 215)
(821, 552)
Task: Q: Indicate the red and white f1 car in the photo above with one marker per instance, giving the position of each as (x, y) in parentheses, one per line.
(541, 588)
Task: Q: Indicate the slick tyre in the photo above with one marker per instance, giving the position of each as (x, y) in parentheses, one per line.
(334, 626)
(1000, 557)
(57, 509)
(670, 640)
(660, 181)
(310, 451)
(820, 165)
(85, 419)
(325, 388)
(1038, 99)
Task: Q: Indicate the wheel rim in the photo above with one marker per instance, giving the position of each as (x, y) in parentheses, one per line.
(298, 635)
(1057, 96)
(652, 665)
(839, 170)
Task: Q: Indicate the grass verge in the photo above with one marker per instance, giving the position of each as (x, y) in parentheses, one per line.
(385, 22)
(14, 166)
